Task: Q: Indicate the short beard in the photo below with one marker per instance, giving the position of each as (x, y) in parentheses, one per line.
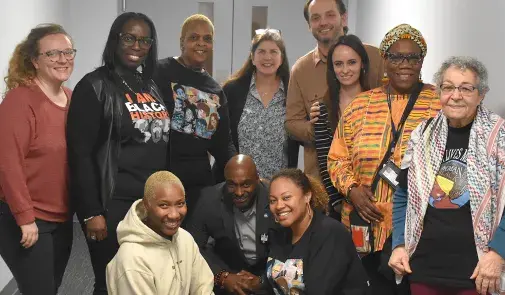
(327, 42)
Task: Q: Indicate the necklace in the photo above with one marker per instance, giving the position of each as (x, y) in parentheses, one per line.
(126, 84)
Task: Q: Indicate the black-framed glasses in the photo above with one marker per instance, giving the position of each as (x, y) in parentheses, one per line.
(129, 40)
(465, 89)
(54, 55)
(263, 31)
(398, 58)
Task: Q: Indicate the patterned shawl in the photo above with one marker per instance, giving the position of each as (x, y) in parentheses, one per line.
(485, 174)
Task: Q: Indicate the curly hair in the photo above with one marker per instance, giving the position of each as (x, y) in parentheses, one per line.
(306, 183)
(21, 71)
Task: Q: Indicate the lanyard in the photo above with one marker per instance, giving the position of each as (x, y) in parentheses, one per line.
(395, 133)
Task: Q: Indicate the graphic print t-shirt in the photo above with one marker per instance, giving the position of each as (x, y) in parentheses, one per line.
(195, 111)
(144, 138)
(285, 264)
(446, 253)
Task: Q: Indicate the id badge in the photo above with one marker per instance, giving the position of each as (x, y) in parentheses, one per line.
(389, 173)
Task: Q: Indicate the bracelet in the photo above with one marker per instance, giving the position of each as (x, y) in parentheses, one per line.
(220, 277)
(89, 218)
(347, 196)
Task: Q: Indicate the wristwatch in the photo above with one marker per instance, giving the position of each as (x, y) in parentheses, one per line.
(348, 195)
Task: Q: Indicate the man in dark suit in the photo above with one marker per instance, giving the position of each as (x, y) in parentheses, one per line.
(236, 215)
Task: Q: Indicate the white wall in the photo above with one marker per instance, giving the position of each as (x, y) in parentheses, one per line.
(450, 27)
(88, 22)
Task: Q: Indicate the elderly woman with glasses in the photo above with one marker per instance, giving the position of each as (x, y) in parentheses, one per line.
(35, 214)
(257, 98)
(449, 226)
(117, 136)
(369, 143)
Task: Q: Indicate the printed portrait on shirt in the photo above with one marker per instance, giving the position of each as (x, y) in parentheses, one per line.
(286, 277)
(149, 117)
(195, 111)
(450, 188)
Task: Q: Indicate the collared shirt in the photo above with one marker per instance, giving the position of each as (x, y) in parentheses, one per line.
(319, 57)
(261, 132)
(245, 230)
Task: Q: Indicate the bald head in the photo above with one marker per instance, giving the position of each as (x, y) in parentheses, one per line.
(240, 162)
(241, 180)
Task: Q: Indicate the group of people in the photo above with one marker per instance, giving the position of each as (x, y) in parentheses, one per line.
(403, 189)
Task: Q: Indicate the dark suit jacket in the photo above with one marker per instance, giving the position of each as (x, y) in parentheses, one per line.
(213, 217)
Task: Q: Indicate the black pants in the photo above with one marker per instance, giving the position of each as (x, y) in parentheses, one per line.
(40, 268)
(102, 252)
(379, 284)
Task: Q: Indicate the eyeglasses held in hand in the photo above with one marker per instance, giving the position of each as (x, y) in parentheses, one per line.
(263, 31)
(129, 40)
(398, 58)
(465, 90)
(54, 55)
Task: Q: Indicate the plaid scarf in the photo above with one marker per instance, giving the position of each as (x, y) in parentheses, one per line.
(485, 174)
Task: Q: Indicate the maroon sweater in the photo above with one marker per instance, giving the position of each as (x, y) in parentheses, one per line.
(33, 156)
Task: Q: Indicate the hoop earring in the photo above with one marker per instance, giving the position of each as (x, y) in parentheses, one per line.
(309, 211)
(385, 79)
(275, 219)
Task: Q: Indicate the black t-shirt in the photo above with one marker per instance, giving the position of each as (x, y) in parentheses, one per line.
(144, 135)
(324, 261)
(446, 254)
(199, 125)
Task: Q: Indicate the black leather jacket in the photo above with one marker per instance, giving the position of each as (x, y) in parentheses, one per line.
(96, 107)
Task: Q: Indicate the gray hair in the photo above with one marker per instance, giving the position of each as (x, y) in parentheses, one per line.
(464, 63)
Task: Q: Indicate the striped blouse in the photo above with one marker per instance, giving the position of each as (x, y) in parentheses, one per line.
(361, 140)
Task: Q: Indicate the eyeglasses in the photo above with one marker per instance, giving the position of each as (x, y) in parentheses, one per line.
(264, 31)
(465, 90)
(398, 58)
(54, 55)
(129, 40)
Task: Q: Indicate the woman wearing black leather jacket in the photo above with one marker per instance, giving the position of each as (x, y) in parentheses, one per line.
(117, 135)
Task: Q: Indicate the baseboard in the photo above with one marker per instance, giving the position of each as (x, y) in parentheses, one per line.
(11, 288)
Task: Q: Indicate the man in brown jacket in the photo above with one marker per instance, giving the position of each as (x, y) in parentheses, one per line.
(327, 20)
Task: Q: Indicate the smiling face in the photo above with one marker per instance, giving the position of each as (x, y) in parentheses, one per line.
(47, 70)
(288, 203)
(267, 58)
(166, 210)
(241, 184)
(404, 74)
(197, 44)
(132, 56)
(347, 65)
(459, 108)
(325, 21)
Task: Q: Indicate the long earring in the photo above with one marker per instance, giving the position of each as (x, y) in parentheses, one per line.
(385, 79)
(309, 211)
(420, 77)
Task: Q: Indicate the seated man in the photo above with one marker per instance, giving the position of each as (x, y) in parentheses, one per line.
(155, 255)
(235, 214)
